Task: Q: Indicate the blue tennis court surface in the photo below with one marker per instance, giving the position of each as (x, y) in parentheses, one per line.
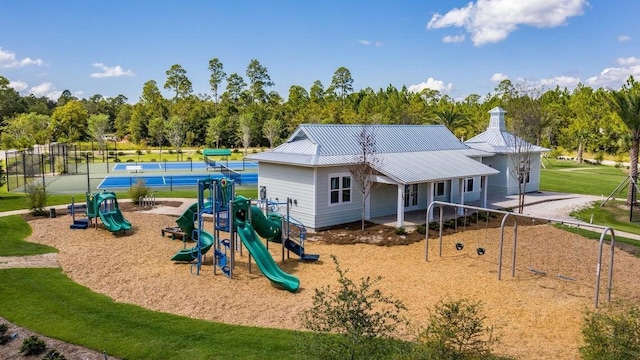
(115, 182)
(184, 166)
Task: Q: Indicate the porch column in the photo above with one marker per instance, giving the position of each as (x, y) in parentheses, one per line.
(430, 200)
(485, 180)
(461, 190)
(400, 220)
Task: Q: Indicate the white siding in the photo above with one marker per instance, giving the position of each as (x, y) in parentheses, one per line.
(297, 183)
(333, 214)
(498, 182)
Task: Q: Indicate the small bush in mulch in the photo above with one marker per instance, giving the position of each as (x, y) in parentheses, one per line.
(4, 338)
(53, 354)
(33, 345)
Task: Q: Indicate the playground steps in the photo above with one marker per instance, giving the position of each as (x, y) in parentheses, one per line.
(299, 250)
(80, 224)
(222, 263)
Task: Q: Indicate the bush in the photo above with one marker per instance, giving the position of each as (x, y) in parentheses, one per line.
(613, 333)
(4, 338)
(130, 160)
(153, 160)
(53, 354)
(354, 321)
(60, 166)
(36, 198)
(434, 225)
(457, 330)
(32, 345)
(170, 151)
(137, 190)
(421, 229)
(401, 231)
(139, 152)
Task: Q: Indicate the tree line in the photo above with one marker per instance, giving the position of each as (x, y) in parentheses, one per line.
(241, 110)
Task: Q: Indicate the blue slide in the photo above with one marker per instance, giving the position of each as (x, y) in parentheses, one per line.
(264, 259)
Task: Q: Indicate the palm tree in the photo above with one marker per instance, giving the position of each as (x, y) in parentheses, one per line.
(626, 103)
(452, 119)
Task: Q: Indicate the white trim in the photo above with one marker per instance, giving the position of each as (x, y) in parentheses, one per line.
(340, 189)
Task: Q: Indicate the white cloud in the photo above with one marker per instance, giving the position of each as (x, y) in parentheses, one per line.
(8, 60)
(623, 38)
(498, 77)
(453, 38)
(19, 86)
(433, 84)
(561, 81)
(110, 71)
(491, 21)
(364, 42)
(46, 89)
(378, 44)
(614, 77)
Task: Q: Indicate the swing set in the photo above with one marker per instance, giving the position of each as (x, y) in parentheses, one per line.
(481, 250)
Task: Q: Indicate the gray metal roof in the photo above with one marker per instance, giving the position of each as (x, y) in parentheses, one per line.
(431, 166)
(408, 153)
(342, 139)
(501, 142)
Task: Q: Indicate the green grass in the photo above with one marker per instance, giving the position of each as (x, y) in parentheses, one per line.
(596, 235)
(569, 177)
(48, 302)
(14, 230)
(614, 214)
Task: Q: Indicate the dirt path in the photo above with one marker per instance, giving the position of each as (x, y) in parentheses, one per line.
(33, 261)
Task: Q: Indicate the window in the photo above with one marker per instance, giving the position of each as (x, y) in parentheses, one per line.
(438, 189)
(524, 172)
(469, 187)
(339, 189)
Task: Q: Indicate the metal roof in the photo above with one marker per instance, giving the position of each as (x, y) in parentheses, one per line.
(431, 166)
(501, 142)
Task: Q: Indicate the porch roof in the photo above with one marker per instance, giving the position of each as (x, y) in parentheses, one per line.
(429, 166)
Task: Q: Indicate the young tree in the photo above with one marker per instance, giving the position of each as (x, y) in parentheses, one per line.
(217, 76)
(157, 130)
(176, 132)
(245, 123)
(626, 104)
(271, 130)
(214, 130)
(69, 122)
(98, 128)
(364, 164)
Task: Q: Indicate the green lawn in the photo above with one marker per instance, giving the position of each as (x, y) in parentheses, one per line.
(614, 214)
(569, 177)
(48, 302)
(14, 230)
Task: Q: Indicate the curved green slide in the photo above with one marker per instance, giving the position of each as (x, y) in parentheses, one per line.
(186, 224)
(270, 227)
(264, 260)
(113, 220)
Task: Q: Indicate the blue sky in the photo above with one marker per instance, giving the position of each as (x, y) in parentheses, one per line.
(456, 47)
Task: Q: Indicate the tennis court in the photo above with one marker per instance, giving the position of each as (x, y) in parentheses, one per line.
(183, 166)
(120, 182)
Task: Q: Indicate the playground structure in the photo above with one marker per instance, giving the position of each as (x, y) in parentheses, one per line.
(516, 216)
(235, 216)
(294, 232)
(104, 205)
(78, 222)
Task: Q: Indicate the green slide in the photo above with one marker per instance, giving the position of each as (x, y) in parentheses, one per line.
(113, 219)
(270, 227)
(264, 260)
(206, 241)
(186, 224)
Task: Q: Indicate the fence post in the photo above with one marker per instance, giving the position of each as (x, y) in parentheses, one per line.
(24, 170)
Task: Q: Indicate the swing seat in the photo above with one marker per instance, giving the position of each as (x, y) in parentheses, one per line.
(480, 251)
(459, 246)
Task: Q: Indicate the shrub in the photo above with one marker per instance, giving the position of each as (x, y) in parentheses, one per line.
(401, 231)
(139, 152)
(32, 345)
(53, 354)
(599, 157)
(130, 160)
(434, 225)
(60, 166)
(457, 330)
(153, 160)
(148, 151)
(421, 229)
(36, 198)
(613, 333)
(236, 151)
(354, 321)
(4, 338)
(170, 151)
(137, 190)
